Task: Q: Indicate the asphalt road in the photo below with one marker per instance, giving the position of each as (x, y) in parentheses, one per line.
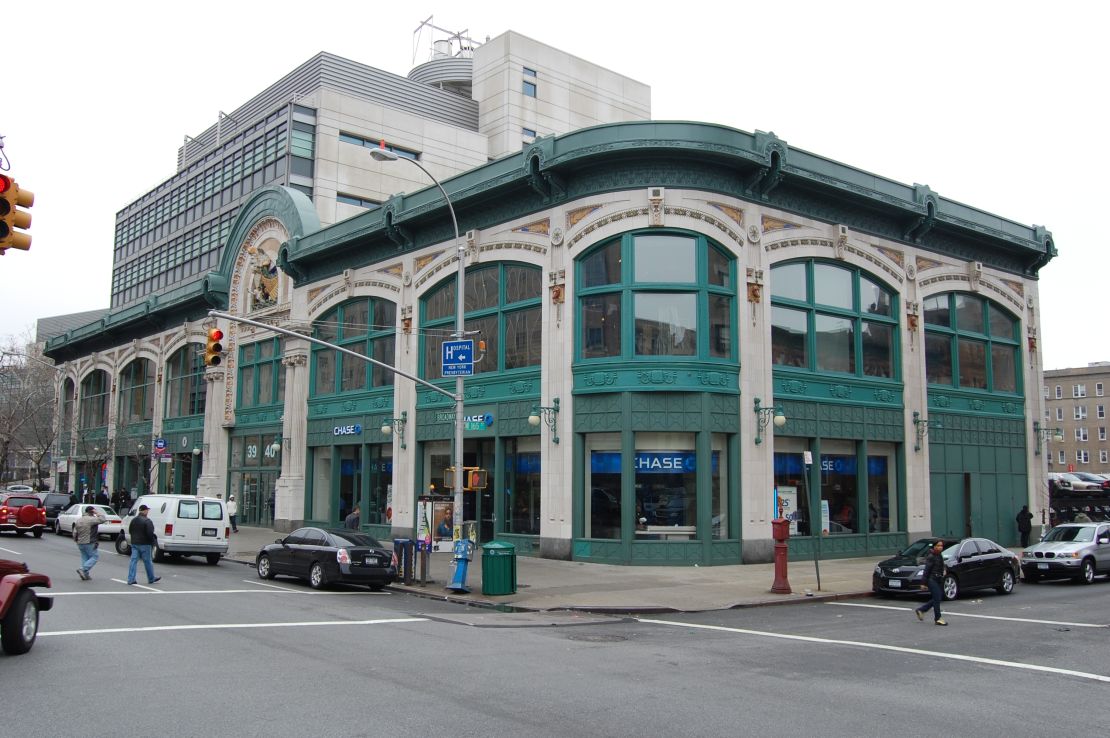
(216, 651)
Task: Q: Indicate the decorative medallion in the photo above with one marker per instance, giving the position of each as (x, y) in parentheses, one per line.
(884, 395)
(775, 224)
(520, 388)
(600, 379)
(657, 376)
(540, 226)
(794, 387)
(977, 404)
(841, 391)
(1011, 408)
(712, 379)
(754, 234)
(942, 401)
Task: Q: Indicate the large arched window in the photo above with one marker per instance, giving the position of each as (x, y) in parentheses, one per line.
(94, 399)
(365, 325)
(971, 343)
(67, 406)
(136, 392)
(185, 385)
(656, 294)
(833, 318)
(502, 303)
(261, 375)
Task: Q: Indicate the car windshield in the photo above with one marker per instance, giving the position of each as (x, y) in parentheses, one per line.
(1071, 533)
(21, 501)
(352, 538)
(919, 548)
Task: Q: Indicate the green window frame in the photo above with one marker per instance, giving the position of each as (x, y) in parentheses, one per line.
(829, 317)
(503, 303)
(136, 392)
(366, 325)
(652, 294)
(94, 400)
(68, 392)
(261, 374)
(186, 389)
(971, 343)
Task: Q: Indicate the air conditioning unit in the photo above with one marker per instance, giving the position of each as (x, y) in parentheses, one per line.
(472, 236)
(975, 268)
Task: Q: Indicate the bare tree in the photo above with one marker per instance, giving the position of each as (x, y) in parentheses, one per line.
(27, 403)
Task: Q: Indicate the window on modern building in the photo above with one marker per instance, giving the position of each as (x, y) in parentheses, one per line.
(261, 374)
(302, 140)
(95, 389)
(1079, 412)
(830, 318)
(528, 88)
(136, 392)
(529, 72)
(185, 385)
(303, 189)
(501, 303)
(1081, 435)
(1098, 389)
(367, 326)
(641, 296)
(1059, 392)
(527, 133)
(1079, 390)
(358, 201)
(378, 143)
(971, 343)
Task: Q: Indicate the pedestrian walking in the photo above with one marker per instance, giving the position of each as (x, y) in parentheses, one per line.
(232, 511)
(143, 538)
(86, 533)
(1025, 525)
(102, 496)
(353, 520)
(934, 574)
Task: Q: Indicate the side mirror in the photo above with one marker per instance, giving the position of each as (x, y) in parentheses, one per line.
(1103, 541)
(280, 540)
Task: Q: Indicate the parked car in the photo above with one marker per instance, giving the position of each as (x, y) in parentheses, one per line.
(1097, 479)
(186, 525)
(22, 513)
(67, 521)
(1076, 550)
(20, 488)
(973, 563)
(20, 606)
(54, 503)
(1069, 481)
(325, 556)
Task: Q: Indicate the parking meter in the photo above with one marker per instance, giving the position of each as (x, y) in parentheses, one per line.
(463, 553)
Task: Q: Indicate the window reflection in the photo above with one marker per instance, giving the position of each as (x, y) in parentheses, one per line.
(938, 359)
(601, 326)
(660, 258)
(666, 325)
(789, 337)
(835, 344)
(832, 285)
(602, 267)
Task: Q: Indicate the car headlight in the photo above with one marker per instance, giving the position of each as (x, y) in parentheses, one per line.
(1026, 554)
(878, 569)
(1075, 554)
(918, 573)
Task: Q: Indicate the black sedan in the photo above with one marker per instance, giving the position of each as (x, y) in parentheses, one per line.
(973, 563)
(326, 556)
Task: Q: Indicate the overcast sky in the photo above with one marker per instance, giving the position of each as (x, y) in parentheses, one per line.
(999, 105)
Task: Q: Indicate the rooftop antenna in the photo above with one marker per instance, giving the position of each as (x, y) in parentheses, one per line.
(451, 43)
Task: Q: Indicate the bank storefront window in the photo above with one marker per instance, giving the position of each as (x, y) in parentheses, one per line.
(522, 485)
(602, 518)
(792, 490)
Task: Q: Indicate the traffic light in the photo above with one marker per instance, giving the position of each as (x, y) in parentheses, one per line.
(12, 198)
(214, 351)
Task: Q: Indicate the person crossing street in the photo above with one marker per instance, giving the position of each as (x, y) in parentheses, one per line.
(143, 538)
(86, 533)
(934, 577)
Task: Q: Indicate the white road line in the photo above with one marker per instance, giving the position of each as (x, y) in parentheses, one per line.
(267, 584)
(229, 626)
(948, 613)
(17, 553)
(136, 584)
(883, 647)
(146, 590)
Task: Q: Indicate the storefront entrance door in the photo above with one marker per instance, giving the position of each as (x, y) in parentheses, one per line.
(255, 495)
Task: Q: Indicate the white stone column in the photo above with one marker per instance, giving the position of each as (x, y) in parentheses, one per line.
(212, 481)
(289, 493)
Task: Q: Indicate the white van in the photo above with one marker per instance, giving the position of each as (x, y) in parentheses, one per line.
(186, 525)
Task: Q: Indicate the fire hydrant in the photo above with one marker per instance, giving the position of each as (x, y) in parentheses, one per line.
(780, 530)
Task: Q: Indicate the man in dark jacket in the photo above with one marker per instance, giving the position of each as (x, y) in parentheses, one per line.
(143, 538)
(1025, 525)
(934, 575)
(353, 520)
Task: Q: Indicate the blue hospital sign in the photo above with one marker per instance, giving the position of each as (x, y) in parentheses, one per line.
(458, 358)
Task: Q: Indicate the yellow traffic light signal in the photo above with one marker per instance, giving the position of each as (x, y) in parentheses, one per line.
(12, 198)
(214, 351)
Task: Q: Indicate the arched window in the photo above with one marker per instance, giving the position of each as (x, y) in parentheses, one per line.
(136, 392)
(366, 325)
(656, 294)
(94, 399)
(502, 303)
(67, 406)
(261, 375)
(971, 343)
(833, 318)
(185, 385)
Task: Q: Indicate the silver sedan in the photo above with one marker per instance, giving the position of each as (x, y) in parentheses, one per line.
(67, 520)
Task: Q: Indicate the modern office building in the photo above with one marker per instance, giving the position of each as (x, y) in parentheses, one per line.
(689, 330)
(1075, 403)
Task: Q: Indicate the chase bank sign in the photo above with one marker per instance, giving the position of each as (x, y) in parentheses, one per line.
(347, 430)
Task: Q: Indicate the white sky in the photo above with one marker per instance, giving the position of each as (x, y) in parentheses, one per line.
(999, 105)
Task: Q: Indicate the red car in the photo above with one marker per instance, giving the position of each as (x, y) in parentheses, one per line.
(20, 606)
(22, 513)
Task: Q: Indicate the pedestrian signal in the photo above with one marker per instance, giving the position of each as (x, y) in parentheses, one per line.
(12, 198)
(214, 351)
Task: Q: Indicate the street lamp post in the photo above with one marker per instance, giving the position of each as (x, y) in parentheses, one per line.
(383, 154)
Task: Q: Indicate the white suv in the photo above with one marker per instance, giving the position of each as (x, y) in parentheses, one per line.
(185, 525)
(1076, 550)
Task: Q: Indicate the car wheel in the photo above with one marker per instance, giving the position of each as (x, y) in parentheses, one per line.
(376, 587)
(1087, 572)
(265, 571)
(57, 528)
(159, 555)
(123, 548)
(1006, 584)
(21, 624)
(950, 587)
(316, 576)
(38, 533)
(212, 559)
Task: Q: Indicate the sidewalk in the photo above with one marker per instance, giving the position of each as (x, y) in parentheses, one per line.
(548, 584)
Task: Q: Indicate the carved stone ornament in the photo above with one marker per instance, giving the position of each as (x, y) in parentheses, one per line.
(754, 234)
(557, 236)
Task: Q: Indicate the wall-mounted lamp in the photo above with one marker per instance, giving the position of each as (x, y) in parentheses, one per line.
(196, 451)
(765, 415)
(921, 428)
(275, 447)
(1043, 434)
(398, 424)
(550, 416)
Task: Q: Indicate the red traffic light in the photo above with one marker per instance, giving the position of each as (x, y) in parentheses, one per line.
(5, 183)
(215, 334)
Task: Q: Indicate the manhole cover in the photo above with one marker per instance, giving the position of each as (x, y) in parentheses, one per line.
(595, 637)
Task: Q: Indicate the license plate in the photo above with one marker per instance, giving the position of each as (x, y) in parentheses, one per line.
(1042, 566)
(895, 583)
(208, 532)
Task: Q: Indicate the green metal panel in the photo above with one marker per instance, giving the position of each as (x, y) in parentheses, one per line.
(846, 546)
(808, 419)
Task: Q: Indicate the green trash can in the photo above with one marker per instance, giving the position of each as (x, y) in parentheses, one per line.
(498, 568)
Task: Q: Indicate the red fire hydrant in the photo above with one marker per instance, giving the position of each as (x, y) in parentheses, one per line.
(780, 530)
